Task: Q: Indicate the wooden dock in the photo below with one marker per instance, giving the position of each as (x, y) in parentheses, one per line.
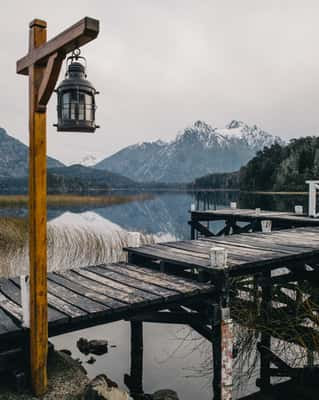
(96, 295)
(263, 266)
(248, 253)
(174, 283)
(244, 220)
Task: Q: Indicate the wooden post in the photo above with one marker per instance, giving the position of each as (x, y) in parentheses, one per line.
(42, 64)
(134, 381)
(37, 220)
(265, 339)
(222, 342)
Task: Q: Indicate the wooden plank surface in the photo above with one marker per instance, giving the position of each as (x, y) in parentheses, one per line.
(7, 325)
(245, 251)
(134, 282)
(91, 294)
(160, 279)
(11, 288)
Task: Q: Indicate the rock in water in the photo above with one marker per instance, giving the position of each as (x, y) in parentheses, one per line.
(97, 347)
(165, 394)
(102, 388)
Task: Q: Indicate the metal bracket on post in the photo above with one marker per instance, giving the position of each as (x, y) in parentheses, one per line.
(313, 187)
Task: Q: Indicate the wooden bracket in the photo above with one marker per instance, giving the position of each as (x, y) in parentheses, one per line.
(76, 36)
(50, 77)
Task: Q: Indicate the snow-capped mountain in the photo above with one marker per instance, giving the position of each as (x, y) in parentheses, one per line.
(89, 160)
(199, 150)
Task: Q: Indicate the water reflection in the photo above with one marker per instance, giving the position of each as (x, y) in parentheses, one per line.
(177, 357)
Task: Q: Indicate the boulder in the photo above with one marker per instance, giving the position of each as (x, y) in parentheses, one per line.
(102, 388)
(97, 347)
(165, 394)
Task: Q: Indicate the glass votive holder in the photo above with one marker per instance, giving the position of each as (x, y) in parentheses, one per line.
(266, 225)
(218, 257)
(299, 210)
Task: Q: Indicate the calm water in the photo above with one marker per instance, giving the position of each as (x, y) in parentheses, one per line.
(174, 356)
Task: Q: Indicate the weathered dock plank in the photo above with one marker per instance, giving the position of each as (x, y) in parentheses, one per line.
(96, 295)
(11, 288)
(247, 253)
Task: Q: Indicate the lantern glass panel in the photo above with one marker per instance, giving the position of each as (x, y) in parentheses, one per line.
(89, 107)
(65, 106)
(82, 106)
(73, 105)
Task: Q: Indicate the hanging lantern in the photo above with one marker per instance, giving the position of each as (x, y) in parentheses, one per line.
(76, 98)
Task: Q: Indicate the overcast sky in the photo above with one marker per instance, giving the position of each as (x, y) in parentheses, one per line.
(162, 64)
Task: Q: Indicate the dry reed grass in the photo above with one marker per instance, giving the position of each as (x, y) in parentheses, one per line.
(13, 232)
(74, 200)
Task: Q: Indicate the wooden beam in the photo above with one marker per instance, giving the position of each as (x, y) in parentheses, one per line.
(49, 80)
(37, 221)
(76, 36)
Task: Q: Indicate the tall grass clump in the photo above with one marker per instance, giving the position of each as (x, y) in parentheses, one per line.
(13, 239)
(74, 241)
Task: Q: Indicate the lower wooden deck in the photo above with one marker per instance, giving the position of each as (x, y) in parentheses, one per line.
(95, 295)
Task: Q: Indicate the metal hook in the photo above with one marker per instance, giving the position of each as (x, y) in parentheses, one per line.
(76, 53)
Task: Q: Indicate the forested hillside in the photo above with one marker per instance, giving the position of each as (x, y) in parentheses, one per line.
(227, 180)
(275, 168)
(283, 168)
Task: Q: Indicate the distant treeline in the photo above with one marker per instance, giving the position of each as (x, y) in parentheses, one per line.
(275, 168)
(227, 180)
(283, 168)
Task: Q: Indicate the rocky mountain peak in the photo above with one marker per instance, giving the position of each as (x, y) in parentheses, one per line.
(199, 150)
(234, 124)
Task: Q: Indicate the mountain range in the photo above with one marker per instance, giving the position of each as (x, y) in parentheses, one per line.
(198, 151)
(14, 157)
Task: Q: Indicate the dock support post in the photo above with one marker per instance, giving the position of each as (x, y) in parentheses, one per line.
(223, 344)
(134, 381)
(192, 233)
(265, 340)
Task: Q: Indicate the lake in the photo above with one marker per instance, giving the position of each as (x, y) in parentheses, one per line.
(175, 357)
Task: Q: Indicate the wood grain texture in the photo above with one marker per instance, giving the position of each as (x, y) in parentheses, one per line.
(83, 298)
(37, 223)
(76, 36)
(247, 252)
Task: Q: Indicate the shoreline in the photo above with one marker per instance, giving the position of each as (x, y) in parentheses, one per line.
(74, 200)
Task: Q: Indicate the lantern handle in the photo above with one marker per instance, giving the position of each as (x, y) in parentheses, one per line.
(76, 55)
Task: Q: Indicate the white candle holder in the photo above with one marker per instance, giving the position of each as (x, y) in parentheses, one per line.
(134, 239)
(193, 207)
(233, 205)
(299, 210)
(266, 225)
(257, 211)
(25, 300)
(218, 257)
